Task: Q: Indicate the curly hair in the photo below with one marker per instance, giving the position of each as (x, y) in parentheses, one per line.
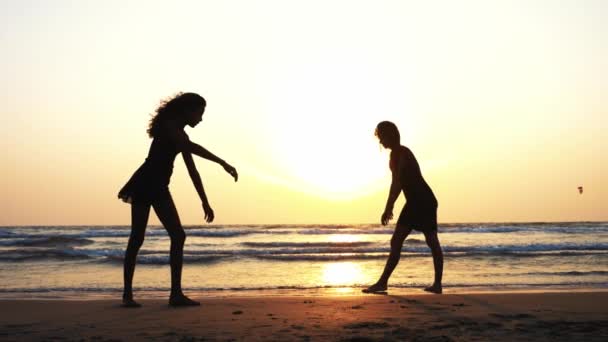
(177, 105)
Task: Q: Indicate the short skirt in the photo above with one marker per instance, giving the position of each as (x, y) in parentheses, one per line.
(419, 216)
(143, 188)
(144, 197)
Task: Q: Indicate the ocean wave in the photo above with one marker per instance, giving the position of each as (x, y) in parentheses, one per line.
(568, 273)
(46, 254)
(414, 247)
(229, 231)
(308, 251)
(415, 241)
(67, 235)
(531, 227)
(125, 233)
(343, 231)
(47, 241)
(322, 257)
(307, 244)
(535, 247)
(164, 259)
(384, 255)
(5, 233)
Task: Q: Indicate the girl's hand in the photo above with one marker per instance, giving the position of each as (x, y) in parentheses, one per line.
(231, 170)
(386, 216)
(209, 215)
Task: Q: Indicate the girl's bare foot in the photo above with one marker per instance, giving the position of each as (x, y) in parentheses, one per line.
(376, 288)
(182, 300)
(434, 289)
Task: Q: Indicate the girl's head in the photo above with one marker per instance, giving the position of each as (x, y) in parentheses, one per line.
(186, 108)
(388, 134)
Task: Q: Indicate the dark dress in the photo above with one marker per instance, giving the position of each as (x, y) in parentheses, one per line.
(420, 210)
(150, 183)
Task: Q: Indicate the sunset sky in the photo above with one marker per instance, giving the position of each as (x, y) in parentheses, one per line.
(503, 103)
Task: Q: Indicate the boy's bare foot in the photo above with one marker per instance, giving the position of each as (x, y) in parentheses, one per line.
(376, 288)
(130, 303)
(182, 300)
(434, 289)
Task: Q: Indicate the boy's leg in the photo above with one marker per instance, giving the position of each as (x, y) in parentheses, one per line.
(432, 240)
(401, 232)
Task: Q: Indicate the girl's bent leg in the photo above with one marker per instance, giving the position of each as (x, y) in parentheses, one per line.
(139, 221)
(432, 240)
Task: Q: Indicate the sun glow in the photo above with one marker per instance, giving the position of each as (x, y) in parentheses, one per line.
(327, 113)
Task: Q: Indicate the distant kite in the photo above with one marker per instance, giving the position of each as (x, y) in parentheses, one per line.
(580, 189)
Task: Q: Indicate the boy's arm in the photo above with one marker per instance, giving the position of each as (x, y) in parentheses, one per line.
(393, 194)
(394, 190)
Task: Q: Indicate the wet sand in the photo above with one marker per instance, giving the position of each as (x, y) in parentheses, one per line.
(425, 317)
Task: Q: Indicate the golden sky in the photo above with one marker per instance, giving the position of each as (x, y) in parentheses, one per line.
(503, 103)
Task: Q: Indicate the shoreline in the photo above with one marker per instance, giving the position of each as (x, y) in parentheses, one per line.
(449, 317)
(278, 293)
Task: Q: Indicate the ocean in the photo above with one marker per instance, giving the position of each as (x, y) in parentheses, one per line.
(86, 261)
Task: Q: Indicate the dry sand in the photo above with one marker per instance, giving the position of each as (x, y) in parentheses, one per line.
(425, 317)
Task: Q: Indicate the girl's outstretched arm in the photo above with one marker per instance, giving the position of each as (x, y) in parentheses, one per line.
(204, 153)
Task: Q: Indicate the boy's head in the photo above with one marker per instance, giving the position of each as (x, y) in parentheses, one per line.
(388, 134)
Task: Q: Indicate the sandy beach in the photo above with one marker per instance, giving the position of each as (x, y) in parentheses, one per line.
(449, 317)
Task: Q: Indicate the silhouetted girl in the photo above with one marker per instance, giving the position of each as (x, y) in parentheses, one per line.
(149, 187)
(419, 212)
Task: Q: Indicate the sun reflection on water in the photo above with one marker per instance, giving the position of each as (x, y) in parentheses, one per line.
(344, 238)
(342, 274)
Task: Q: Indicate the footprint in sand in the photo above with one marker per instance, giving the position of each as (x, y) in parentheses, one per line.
(358, 339)
(515, 316)
(460, 304)
(367, 325)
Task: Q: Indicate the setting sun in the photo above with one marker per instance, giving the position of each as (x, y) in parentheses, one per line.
(325, 114)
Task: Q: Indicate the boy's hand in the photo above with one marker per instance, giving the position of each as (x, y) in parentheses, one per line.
(386, 216)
